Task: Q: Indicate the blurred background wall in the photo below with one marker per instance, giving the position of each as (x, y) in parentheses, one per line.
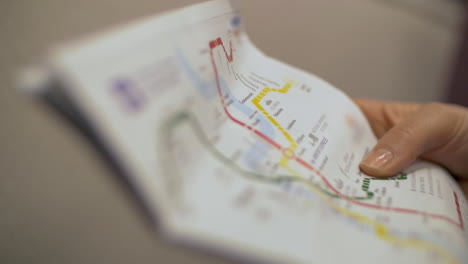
(60, 203)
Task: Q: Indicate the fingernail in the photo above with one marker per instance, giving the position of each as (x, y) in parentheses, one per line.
(378, 159)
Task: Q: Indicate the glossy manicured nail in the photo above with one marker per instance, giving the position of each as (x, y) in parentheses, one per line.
(377, 159)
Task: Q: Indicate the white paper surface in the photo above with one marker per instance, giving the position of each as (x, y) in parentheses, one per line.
(236, 151)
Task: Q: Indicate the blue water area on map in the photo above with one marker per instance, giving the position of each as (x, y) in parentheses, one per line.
(236, 21)
(208, 90)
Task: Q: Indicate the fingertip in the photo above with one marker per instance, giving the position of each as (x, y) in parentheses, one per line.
(373, 171)
(378, 163)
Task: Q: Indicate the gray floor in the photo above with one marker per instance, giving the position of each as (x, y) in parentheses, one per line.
(60, 203)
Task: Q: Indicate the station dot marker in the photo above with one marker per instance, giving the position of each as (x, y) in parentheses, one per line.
(288, 153)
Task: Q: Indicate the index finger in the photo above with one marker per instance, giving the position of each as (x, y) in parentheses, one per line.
(382, 116)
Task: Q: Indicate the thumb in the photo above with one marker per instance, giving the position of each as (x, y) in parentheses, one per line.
(432, 132)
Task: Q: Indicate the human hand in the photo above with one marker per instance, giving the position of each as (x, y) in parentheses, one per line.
(436, 132)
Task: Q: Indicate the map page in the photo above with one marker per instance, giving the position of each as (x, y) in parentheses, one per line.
(237, 152)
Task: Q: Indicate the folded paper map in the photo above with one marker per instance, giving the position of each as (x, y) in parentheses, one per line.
(234, 151)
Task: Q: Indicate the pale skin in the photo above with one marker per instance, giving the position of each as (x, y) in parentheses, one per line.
(407, 131)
